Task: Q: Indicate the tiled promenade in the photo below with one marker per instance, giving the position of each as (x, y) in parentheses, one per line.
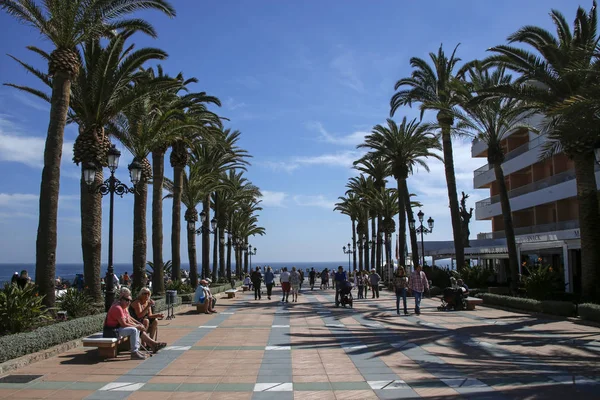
(311, 350)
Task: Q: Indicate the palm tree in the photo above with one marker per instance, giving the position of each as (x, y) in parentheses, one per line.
(403, 147)
(377, 168)
(363, 187)
(350, 206)
(559, 72)
(435, 87)
(67, 25)
(101, 90)
(492, 121)
(201, 118)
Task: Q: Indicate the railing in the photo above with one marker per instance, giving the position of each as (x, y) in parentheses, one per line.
(531, 187)
(528, 230)
(524, 148)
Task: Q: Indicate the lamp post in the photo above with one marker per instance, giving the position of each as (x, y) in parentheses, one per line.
(109, 187)
(207, 231)
(423, 231)
(349, 252)
(251, 253)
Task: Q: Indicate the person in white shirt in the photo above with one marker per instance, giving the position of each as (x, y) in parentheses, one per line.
(284, 279)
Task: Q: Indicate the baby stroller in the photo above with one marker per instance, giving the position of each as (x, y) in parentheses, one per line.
(345, 296)
(452, 299)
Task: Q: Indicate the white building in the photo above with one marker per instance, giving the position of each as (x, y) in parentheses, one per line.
(543, 200)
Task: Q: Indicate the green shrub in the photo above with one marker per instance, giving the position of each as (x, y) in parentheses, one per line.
(564, 308)
(540, 282)
(20, 344)
(20, 309)
(438, 276)
(589, 312)
(181, 287)
(475, 276)
(512, 302)
(77, 304)
(435, 291)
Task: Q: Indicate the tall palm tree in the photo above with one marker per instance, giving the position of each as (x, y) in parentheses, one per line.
(435, 88)
(199, 115)
(492, 121)
(350, 206)
(363, 187)
(67, 25)
(558, 72)
(101, 90)
(377, 168)
(403, 147)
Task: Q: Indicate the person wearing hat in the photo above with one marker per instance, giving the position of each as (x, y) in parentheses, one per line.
(14, 278)
(374, 279)
(203, 295)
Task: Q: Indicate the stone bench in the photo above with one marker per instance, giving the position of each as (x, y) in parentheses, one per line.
(230, 293)
(107, 347)
(472, 302)
(201, 307)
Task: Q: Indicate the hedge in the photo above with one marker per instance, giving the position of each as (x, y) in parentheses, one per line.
(589, 312)
(562, 308)
(20, 344)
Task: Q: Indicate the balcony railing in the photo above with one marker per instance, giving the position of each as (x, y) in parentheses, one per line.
(532, 144)
(531, 187)
(528, 230)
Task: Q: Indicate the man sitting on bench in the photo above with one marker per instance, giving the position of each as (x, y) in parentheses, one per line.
(203, 296)
(119, 323)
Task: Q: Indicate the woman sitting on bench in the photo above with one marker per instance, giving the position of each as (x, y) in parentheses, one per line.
(203, 296)
(141, 310)
(119, 323)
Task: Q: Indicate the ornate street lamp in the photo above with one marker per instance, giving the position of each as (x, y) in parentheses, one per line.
(109, 187)
(423, 231)
(207, 231)
(350, 251)
(250, 252)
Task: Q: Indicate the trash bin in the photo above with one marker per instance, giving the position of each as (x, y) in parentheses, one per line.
(171, 297)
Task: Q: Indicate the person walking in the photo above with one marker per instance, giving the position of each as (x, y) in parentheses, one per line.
(339, 278)
(325, 279)
(301, 273)
(401, 287)
(312, 276)
(359, 282)
(256, 281)
(295, 284)
(269, 281)
(374, 279)
(284, 279)
(418, 283)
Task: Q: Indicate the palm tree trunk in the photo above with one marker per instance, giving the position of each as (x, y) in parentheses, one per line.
(245, 262)
(139, 234)
(228, 259)
(176, 224)
(401, 224)
(354, 242)
(414, 243)
(45, 245)
(452, 194)
(366, 225)
(216, 243)
(379, 244)
(91, 235)
(191, 241)
(509, 230)
(222, 271)
(206, 238)
(589, 221)
(158, 173)
(374, 252)
(238, 267)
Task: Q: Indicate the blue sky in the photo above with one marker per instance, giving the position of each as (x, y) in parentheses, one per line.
(303, 81)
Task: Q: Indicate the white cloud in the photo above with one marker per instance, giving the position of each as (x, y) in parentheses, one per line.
(232, 105)
(314, 201)
(28, 100)
(273, 199)
(339, 159)
(17, 199)
(353, 139)
(344, 64)
(279, 165)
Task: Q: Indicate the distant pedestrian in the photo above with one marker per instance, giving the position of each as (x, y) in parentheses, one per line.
(14, 278)
(366, 282)
(401, 287)
(312, 276)
(339, 278)
(256, 281)
(359, 282)
(301, 273)
(23, 279)
(418, 283)
(325, 279)
(374, 279)
(284, 279)
(269, 281)
(295, 284)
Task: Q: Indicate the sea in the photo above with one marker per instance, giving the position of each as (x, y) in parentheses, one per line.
(68, 271)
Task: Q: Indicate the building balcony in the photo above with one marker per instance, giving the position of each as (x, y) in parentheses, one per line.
(515, 160)
(528, 230)
(551, 189)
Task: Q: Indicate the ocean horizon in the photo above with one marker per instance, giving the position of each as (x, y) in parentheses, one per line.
(68, 271)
